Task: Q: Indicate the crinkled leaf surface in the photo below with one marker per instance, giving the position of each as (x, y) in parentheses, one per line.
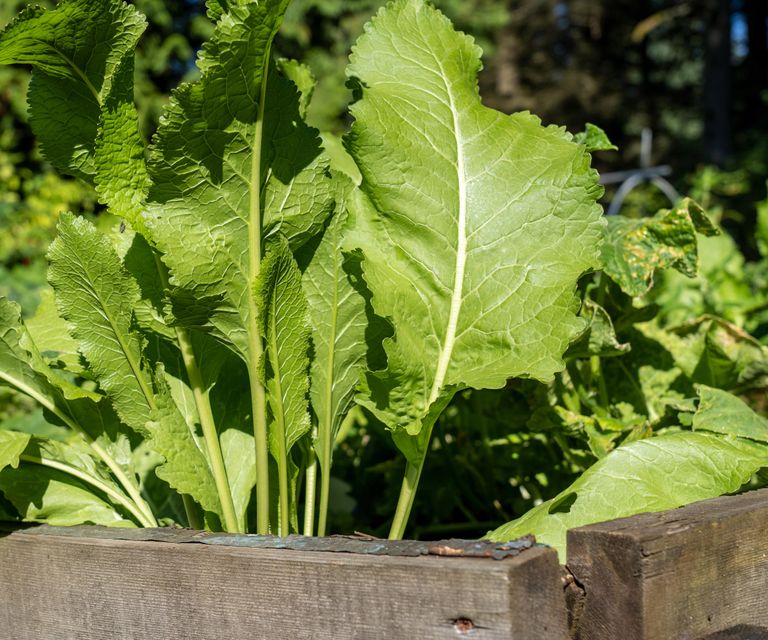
(186, 467)
(81, 94)
(476, 224)
(95, 295)
(649, 475)
(634, 249)
(723, 412)
(204, 165)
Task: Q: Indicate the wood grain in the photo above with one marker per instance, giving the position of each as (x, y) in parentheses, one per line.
(68, 587)
(695, 573)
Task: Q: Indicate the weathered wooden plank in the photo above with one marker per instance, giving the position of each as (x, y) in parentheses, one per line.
(76, 587)
(695, 573)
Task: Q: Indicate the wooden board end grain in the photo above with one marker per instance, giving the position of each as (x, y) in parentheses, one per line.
(695, 573)
(72, 587)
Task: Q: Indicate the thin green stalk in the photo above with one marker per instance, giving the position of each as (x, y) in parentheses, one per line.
(327, 448)
(207, 421)
(210, 434)
(117, 471)
(325, 490)
(326, 420)
(94, 482)
(193, 512)
(123, 479)
(309, 494)
(594, 361)
(597, 374)
(255, 339)
(407, 495)
(278, 425)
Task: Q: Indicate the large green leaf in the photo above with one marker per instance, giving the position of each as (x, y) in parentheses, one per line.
(63, 484)
(96, 296)
(476, 225)
(45, 495)
(722, 412)
(635, 249)
(338, 320)
(225, 168)
(81, 94)
(649, 475)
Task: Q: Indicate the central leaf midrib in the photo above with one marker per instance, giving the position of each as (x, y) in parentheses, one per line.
(79, 72)
(124, 347)
(449, 340)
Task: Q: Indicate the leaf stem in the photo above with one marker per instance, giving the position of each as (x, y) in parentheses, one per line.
(94, 482)
(192, 510)
(278, 425)
(207, 421)
(325, 490)
(309, 494)
(210, 434)
(255, 339)
(407, 495)
(326, 431)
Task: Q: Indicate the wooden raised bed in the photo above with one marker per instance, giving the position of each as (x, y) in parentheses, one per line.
(698, 573)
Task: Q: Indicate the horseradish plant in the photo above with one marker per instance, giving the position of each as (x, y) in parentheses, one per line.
(255, 290)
